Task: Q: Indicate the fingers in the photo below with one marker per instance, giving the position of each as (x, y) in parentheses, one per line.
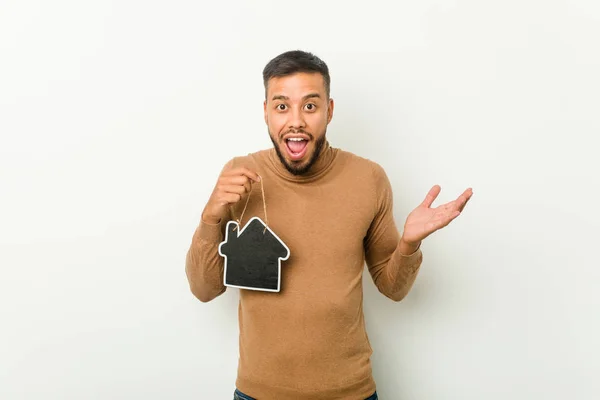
(235, 189)
(464, 198)
(464, 203)
(240, 177)
(231, 194)
(231, 187)
(233, 184)
(458, 204)
(237, 180)
(243, 171)
(431, 196)
(446, 213)
(229, 198)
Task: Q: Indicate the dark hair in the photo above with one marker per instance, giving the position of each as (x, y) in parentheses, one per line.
(294, 61)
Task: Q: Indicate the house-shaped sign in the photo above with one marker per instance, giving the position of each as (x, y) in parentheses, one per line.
(253, 256)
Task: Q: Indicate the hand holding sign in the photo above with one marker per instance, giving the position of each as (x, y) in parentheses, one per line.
(231, 187)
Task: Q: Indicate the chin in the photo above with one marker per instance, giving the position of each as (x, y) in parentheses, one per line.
(299, 164)
(302, 165)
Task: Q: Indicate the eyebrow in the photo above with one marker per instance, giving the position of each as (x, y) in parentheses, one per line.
(308, 96)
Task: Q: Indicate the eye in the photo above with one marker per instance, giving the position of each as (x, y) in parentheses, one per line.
(310, 107)
(280, 107)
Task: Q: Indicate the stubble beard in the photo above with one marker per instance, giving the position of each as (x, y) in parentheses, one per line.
(293, 168)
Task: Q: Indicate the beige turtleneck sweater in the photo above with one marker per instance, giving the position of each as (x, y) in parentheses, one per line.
(308, 341)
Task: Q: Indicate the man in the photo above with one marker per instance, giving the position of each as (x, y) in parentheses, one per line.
(334, 211)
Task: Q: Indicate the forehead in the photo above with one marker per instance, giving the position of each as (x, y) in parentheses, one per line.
(296, 85)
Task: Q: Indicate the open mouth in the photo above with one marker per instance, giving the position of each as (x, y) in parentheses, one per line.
(296, 147)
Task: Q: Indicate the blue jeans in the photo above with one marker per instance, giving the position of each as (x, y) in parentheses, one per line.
(237, 395)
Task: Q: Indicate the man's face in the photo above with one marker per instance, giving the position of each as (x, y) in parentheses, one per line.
(297, 112)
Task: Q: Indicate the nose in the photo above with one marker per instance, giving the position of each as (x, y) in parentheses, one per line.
(297, 120)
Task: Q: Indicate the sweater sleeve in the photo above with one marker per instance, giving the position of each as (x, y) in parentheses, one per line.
(393, 273)
(204, 266)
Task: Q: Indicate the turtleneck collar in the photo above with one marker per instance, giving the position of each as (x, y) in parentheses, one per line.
(318, 169)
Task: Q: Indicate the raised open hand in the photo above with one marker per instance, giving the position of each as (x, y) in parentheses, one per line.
(424, 220)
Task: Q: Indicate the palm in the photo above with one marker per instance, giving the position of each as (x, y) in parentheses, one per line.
(424, 220)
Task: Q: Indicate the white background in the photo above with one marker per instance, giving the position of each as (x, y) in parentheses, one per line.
(116, 117)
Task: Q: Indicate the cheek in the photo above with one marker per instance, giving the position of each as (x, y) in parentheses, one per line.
(276, 123)
(318, 119)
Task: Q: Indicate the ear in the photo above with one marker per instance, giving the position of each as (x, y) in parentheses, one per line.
(330, 110)
(265, 112)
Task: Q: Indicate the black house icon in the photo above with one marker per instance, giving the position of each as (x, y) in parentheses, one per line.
(253, 256)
